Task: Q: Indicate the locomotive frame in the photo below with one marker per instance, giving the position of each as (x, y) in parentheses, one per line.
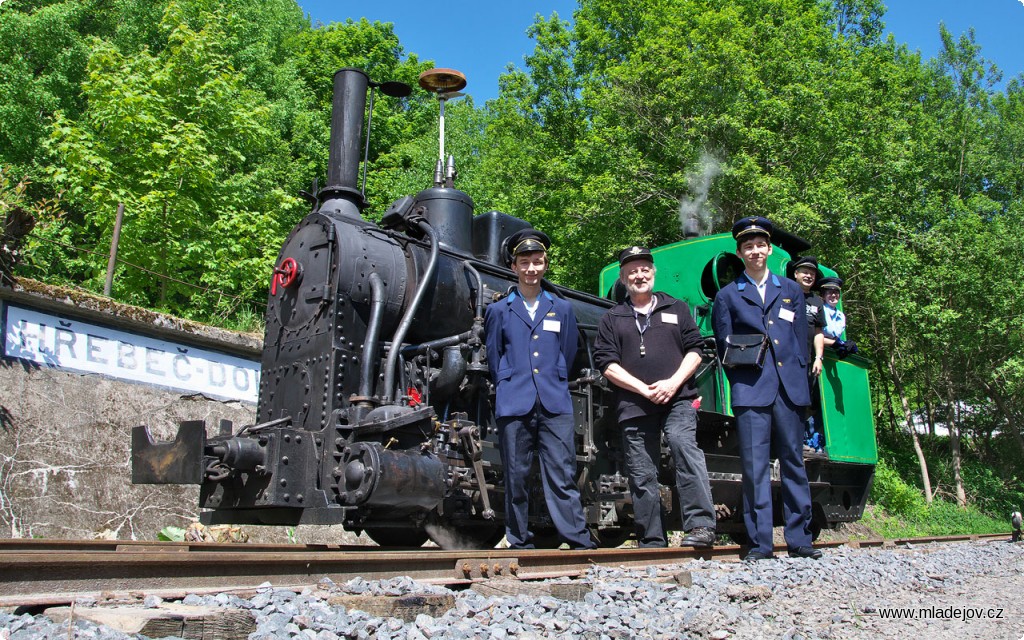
(375, 405)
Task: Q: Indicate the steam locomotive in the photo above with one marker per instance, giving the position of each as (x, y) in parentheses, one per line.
(375, 406)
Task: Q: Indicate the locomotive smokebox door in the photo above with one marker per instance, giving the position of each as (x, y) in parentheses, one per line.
(177, 462)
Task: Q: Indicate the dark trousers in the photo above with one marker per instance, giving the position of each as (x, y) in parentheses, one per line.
(641, 442)
(551, 436)
(758, 428)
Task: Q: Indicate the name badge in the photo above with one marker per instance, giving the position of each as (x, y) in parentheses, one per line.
(670, 318)
(553, 325)
(786, 314)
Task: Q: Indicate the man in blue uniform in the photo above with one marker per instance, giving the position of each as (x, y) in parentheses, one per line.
(531, 341)
(768, 401)
(649, 347)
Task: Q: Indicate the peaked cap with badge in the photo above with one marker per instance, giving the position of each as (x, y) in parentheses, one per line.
(634, 253)
(526, 241)
(752, 226)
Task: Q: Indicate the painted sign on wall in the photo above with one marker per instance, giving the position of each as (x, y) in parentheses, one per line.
(84, 347)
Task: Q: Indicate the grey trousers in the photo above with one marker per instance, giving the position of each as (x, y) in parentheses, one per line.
(641, 442)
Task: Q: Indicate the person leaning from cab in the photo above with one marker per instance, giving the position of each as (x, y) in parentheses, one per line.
(769, 400)
(649, 347)
(835, 320)
(531, 340)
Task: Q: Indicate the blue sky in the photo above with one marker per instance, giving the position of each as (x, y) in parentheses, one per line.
(480, 37)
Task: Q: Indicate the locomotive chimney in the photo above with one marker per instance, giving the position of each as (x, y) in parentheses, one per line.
(341, 196)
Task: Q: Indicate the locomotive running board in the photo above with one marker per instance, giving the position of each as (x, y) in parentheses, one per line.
(177, 462)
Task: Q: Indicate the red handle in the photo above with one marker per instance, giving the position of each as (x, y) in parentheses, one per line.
(285, 275)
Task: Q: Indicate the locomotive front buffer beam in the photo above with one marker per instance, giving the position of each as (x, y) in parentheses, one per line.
(191, 458)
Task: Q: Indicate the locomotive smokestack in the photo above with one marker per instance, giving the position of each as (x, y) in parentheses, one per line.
(342, 196)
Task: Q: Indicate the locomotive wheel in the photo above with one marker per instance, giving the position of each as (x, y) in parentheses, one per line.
(397, 537)
(479, 536)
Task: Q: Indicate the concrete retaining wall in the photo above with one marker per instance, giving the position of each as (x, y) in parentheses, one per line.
(65, 440)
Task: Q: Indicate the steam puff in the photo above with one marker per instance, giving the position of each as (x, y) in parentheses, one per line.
(694, 217)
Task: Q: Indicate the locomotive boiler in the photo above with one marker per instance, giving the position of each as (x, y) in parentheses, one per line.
(375, 405)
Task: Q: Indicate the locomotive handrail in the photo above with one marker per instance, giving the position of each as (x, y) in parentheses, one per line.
(479, 288)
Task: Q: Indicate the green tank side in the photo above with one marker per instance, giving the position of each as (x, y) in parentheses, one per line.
(694, 270)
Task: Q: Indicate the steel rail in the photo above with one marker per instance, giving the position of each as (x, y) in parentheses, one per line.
(36, 572)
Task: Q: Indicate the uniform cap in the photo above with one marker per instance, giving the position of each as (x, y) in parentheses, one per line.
(808, 262)
(804, 261)
(752, 225)
(634, 253)
(526, 241)
(830, 283)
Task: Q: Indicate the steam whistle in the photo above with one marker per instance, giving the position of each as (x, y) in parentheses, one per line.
(447, 84)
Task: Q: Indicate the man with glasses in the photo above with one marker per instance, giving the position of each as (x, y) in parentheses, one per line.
(649, 347)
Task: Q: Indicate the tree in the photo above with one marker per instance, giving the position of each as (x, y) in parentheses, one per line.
(193, 153)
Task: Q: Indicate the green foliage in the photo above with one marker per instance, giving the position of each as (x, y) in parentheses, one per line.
(941, 518)
(899, 509)
(171, 534)
(890, 491)
(989, 475)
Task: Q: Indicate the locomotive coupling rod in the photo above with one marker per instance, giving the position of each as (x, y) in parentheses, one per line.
(468, 436)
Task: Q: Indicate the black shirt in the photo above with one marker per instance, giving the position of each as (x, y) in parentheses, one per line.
(671, 334)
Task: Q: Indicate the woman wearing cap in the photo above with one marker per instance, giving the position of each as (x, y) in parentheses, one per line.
(835, 320)
(531, 339)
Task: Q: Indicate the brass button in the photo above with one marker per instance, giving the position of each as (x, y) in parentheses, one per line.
(771, 322)
(535, 354)
(776, 342)
(780, 364)
(536, 370)
(535, 336)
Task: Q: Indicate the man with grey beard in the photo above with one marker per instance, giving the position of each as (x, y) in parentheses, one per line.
(649, 347)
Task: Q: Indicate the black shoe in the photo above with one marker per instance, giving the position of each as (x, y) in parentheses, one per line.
(754, 556)
(700, 537)
(805, 552)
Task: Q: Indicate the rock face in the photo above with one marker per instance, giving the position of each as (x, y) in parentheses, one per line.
(65, 437)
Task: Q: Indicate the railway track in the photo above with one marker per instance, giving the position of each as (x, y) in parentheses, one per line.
(47, 572)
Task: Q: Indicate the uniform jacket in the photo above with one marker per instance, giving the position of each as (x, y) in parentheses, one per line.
(738, 310)
(530, 359)
(671, 335)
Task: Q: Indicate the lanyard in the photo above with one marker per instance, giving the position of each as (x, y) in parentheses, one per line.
(643, 327)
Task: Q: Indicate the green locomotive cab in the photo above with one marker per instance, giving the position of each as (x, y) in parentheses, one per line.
(840, 477)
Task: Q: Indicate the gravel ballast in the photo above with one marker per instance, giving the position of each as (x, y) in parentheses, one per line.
(956, 591)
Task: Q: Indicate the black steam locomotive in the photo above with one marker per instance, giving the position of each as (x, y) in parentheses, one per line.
(375, 405)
